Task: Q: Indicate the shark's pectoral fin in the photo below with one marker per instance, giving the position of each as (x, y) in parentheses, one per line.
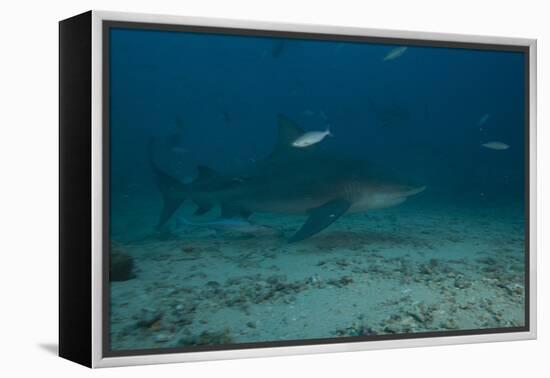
(320, 218)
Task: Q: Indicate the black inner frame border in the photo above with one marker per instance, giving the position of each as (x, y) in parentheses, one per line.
(107, 25)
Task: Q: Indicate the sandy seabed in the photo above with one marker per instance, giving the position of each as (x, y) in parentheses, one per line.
(394, 271)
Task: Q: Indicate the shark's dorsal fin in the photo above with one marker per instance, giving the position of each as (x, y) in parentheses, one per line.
(287, 132)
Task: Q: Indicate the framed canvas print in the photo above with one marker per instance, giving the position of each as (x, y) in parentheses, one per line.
(237, 189)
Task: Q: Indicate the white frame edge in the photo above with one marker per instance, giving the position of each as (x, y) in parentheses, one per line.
(97, 189)
(97, 208)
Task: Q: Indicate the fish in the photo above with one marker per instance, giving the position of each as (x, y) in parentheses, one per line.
(239, 225)
(293, 181)
(395, 53)
(278, 48)
(226, 116)
(483, 119)
(339, 47)
(311, 138)
(496, 146)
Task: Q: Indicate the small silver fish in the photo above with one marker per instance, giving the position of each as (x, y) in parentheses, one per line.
(395, 53)
(311, 137)
(496, 146)
(483, 119)
(339, 47)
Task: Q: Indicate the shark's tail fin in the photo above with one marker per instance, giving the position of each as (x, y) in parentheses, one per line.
(173, 191)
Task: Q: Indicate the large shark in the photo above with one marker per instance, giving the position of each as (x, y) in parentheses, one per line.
(290, 181)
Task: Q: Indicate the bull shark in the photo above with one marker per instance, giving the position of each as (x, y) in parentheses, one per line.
(288, 181)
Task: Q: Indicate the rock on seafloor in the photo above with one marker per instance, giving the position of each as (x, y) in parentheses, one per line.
(121, 264)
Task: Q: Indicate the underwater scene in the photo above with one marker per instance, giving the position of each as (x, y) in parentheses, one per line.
(271, 190)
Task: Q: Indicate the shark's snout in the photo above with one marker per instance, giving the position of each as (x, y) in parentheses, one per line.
(413, 191)
(384, 196)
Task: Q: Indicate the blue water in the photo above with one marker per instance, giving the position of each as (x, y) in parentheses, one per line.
(213, 100)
